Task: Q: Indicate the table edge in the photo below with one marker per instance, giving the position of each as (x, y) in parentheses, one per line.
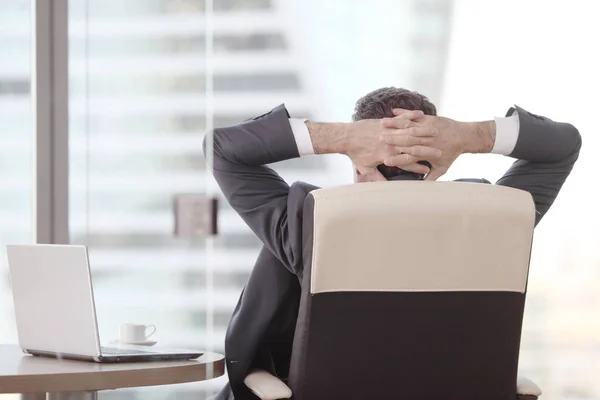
(108, 380)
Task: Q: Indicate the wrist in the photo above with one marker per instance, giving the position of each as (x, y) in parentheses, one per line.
(328, 138)
(479, 137)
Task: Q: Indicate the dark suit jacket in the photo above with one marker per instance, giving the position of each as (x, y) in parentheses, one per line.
(261, 330)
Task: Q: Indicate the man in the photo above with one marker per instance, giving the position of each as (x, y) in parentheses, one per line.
(261, 330)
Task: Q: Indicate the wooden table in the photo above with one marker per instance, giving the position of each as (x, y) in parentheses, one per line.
(38, 378)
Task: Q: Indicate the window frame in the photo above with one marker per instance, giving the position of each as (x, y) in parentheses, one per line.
(49, 104)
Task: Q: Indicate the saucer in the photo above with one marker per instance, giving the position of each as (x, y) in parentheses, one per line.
(144, 343)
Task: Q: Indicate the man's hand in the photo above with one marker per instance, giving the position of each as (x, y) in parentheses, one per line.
(361, 142)
(366, 150)
(454, 138)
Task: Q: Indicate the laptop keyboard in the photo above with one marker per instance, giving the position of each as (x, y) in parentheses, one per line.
(114, 350)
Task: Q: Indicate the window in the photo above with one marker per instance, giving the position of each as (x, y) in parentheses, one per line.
(16, 146)
(137, 123)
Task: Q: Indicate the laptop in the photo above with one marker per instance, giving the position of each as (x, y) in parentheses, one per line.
(55, 309)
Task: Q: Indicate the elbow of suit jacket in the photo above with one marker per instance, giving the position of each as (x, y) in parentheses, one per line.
(573, 139)
(215, 135)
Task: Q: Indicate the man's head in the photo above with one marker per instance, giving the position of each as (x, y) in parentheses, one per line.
(379, 104)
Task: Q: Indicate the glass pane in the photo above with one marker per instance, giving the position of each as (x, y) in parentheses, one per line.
(561, 331)
(16, 146)
(137, 120)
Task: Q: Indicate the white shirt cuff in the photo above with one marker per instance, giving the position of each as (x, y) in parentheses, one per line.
(302, 136)
(507, 133)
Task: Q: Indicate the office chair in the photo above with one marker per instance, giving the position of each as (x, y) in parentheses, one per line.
(410, 290)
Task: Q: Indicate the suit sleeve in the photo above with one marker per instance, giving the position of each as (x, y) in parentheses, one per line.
(256, 192)
(546, 152)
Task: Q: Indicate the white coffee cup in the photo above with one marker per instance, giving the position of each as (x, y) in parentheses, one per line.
(135, 333)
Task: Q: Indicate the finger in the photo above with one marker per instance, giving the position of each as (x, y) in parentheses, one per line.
(416, 168)
(416, 131)
(435, 174)
(397, 123)
(395, 128)
(405, 141)
(410, 114)
(423, 152)
(404, 112)
(402, 140)
(400, 160)
(399, 111)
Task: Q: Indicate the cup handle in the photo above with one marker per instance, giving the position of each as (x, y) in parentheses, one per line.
(151, 333)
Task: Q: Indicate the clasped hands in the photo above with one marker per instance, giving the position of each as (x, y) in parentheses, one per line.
(402, 141)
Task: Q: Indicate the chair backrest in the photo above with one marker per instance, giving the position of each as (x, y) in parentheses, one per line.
(412, 290)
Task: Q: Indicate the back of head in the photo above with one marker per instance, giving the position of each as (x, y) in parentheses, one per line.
(379, 104)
